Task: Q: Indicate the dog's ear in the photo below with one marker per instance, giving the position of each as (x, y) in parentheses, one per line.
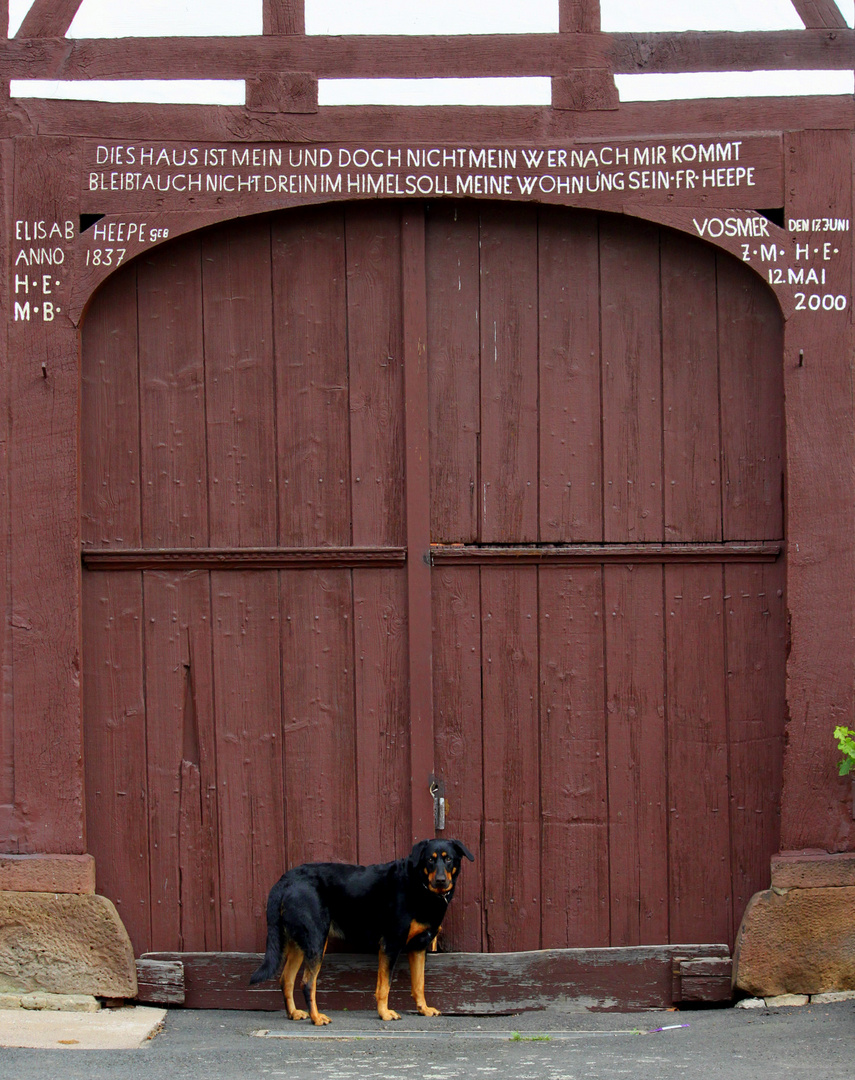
(461, 849)
(417, 854)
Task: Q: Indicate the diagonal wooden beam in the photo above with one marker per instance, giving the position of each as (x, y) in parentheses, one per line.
(819, 14)
(284, 16)
(48, 18)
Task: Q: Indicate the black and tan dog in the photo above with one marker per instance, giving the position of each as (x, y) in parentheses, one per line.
(388, 908)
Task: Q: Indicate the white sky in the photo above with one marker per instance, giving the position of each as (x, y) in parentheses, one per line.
(117, 18)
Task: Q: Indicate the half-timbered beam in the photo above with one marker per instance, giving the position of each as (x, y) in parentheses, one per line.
(284, 16)
(579, 16)
(48, 18)
(816, 14)
(425, 57)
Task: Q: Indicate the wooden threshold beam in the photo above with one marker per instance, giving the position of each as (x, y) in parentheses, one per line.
(425, 57)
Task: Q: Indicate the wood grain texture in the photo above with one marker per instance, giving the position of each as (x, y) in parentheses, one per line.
(284, 16)
(570, 409)
(312, 380)
(508, 325)
(631, 382)
(382, 737)
(458, 738)
(173, 456)
(574, 784)
(247, 689)
(464, 984)
(816, 14)
(239, 407)
(579, 16)
(43, 542)
(756, 628)
(367, 56)
(691, 449)
(181, 760)
(752, 405)
(638, 765)
(318, 719)
(110, 444)
(117, 819)
(375, 351)
(512, 887)
(820, 526)
(453, 311)
(698, 785)
(48, 18)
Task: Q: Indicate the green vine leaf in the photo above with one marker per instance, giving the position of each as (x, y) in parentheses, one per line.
(846, 745)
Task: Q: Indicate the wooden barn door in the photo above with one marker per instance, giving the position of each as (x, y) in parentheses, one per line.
(592, 664)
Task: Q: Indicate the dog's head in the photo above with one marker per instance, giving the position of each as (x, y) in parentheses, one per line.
(436, 864)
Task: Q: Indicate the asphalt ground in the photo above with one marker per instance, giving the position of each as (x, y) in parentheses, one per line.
(811, 1041)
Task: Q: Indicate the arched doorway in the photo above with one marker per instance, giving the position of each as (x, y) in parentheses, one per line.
(606, 493)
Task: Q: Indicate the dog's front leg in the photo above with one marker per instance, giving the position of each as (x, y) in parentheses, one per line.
(417, 980)
(384, 981)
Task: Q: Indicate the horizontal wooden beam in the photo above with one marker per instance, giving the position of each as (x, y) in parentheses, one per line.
(437, 57)
(213, 123)
(581, 554)
(474, 984)
(241, 558)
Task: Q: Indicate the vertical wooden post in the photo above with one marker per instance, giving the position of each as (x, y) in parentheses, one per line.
(579, 16)
(44, 513)
(284, 17)
(419, 620)
(818, 343)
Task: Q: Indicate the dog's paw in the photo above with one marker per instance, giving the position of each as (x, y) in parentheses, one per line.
(428, 1010)
(321, 1019)
(298, 1014)
(389, 1014)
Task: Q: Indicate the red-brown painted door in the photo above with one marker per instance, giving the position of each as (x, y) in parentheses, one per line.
(607, 611)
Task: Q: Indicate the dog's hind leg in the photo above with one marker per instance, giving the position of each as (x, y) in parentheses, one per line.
(310, 986)
(384, 982)
(417, 980)
(293, 960)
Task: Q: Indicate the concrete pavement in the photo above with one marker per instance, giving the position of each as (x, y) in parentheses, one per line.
(816, 1042)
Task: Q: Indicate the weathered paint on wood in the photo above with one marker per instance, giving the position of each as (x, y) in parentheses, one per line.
(463, 984)
(562, 698)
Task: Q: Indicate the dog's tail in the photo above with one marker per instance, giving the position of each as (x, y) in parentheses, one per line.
(271, 965)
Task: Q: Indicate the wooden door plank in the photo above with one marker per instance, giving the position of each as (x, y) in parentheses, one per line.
(417, 496)
(110, 436)
(239, 407)
(691, 435)
(632, 381)
(452, 253)
(375, 350)
(574, 784)
(458, 754)
(382, 732)
(637, 755)
(114, 743)
(571, 499)
(699, 811)
(512, 887)
(172, 397)
(181, 758)
(318, 722)
(756, 629)
(312, 387)
(752, 404)
(509, 434)
(247, 691)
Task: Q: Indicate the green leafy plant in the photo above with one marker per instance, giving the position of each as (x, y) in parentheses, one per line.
(846, 745)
